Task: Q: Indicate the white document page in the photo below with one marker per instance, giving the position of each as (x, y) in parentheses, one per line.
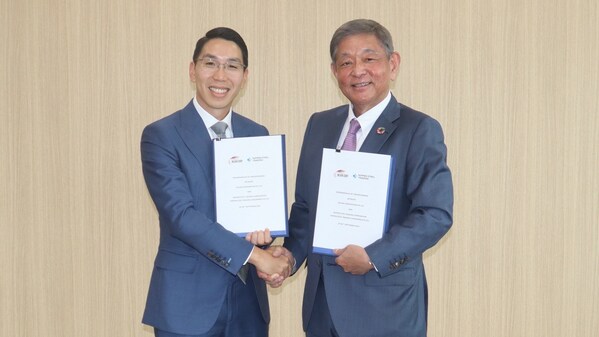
(250, 184)
(353, 199)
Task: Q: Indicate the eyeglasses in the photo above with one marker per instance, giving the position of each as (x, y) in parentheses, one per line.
(210, 64)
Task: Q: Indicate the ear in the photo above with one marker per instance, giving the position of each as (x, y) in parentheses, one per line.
(394, 61)
(246, 73)
(334, 69)
(192, 72)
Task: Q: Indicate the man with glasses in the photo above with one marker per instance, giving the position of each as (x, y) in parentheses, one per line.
(204, 282)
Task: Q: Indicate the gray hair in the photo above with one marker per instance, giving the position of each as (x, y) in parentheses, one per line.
(361, 26)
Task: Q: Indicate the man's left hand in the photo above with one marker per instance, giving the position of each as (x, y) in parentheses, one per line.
(259, 238)
(353, 259)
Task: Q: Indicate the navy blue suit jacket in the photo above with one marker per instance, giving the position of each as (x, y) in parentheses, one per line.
(197, 257)
(392, 301)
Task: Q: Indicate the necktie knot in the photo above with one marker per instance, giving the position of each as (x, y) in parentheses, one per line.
(350, 141)
(220, 129)
(354, 126)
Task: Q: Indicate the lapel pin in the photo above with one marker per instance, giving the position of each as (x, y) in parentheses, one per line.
(380, 131)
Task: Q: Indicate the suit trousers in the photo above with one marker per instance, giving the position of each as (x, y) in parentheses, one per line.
(321, 323)
(239, 316)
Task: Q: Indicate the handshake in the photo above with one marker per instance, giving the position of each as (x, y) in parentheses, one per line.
(275, 263)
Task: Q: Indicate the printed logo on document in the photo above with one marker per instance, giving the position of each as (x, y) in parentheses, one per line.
(235, 160)
(341, 173)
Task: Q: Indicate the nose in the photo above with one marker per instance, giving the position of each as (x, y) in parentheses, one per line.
(219, 72)
(359, 68)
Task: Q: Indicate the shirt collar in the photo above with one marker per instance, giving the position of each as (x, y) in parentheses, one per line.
(209, 120)
(368, 118)
(366, 121)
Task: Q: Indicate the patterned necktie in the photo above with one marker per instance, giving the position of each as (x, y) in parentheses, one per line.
(349, 144)
(220, 129)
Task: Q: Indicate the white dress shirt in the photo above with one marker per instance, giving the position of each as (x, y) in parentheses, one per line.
(209, 120)
(366, 121)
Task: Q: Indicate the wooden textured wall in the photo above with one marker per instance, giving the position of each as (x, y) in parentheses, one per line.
(515, 84)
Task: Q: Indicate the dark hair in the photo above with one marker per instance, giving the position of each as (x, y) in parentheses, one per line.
(225, 34)
(361, 26)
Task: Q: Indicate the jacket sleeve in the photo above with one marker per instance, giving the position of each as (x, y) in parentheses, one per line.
(429, 193)
(300, 239)
(170, 190)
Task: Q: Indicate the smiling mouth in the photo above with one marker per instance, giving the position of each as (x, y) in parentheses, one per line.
(219, 91)
(360, 85)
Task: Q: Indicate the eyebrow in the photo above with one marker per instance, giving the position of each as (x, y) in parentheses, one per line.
(236, 59)
(363, 51)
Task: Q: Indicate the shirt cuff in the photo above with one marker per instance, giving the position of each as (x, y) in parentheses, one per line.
(248, 258)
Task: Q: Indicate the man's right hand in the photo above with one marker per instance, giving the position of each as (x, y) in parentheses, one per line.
(276, 280)
(269, 265)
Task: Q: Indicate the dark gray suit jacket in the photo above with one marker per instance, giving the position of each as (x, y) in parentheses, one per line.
(392, 301)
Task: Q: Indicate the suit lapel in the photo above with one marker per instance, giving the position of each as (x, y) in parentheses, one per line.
(193, 132)
(330, 140)
(238, 126)
(383, 128)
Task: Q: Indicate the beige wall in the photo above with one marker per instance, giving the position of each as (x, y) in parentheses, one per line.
(515, 84)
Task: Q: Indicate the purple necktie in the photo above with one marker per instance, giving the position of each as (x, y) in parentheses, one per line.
(349, 144)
